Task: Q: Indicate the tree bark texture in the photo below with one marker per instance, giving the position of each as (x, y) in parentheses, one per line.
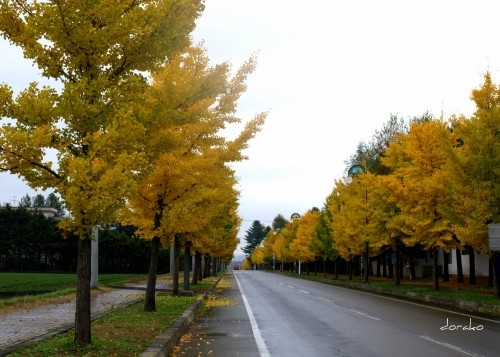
(187, 258)
(82, 315)
(197, 267)
(472, 265)
(435, 272)
(460, 271)
(496, 275)
(150, 298)
(175, 273)
(446, 273)
(398, 264)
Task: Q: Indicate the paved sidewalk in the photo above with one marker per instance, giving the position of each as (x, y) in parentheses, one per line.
(22, 326)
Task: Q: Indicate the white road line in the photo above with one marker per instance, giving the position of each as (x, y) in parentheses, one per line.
(429, 307)
(303, 291)
(362, 313)
(261, 344)
(455, 348)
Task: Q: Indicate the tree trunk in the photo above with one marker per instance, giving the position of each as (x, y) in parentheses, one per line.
(490, 272)
(196, 268)
(150, 298)
(390, 265)
(202, 267)
(82, 315)
(435, 272)
(411, 263)
(350, 267)
(384, 264)
(472, 265)
(366, 263)
(206, 270)
(187, 258)
(398, 264)
(446, 274)
(175, 274)
(460, 272)
(214, 266)
(496, 275)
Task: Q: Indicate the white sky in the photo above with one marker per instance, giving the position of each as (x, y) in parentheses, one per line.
(330, 73)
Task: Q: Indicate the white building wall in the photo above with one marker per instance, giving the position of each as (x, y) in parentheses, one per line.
(482, 264)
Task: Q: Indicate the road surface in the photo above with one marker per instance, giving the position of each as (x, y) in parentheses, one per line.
(275, 315)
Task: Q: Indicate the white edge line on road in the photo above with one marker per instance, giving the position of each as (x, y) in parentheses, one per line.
(261, 344)
(455, 348)
(421, 304)
(364, 314)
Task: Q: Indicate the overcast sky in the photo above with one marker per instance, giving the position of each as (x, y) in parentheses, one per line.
(330, 73)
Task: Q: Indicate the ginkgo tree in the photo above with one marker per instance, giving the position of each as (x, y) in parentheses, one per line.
(99, 55)
(206, 220)
(322, 245)
(349, 206)
(187, 106)
(474, 162)
(418, 160)
(284, 238)
(300, 247)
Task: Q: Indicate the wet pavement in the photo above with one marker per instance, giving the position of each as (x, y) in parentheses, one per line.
(222, 328)
(26, 325)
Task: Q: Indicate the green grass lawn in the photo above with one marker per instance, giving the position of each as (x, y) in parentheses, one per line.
(26, 283)
(21, 288)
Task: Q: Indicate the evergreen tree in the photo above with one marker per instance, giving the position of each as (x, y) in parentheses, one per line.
(38, 201)
(53, 201)
(254, 236)
(279, 222)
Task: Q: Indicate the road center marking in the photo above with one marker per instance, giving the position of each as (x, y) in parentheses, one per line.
(303, 291)
(455, 348)
(261, 344)
(364, 314)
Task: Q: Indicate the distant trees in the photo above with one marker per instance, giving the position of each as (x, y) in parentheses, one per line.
(39, 200)
(30, 241)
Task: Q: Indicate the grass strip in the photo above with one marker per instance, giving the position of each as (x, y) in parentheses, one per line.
(473, 293)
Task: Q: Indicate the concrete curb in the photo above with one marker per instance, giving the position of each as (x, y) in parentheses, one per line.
(165, 343)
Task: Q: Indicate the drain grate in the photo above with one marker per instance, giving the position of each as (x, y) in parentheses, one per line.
(212, 334)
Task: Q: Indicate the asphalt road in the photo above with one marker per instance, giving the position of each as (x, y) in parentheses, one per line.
(275, 315)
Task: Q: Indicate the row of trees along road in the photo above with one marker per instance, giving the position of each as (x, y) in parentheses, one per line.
(134, 119)
(430, 184)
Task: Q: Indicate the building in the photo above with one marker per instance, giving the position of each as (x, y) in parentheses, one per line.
(46, 211)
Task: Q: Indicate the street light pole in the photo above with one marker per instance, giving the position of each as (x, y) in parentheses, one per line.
(354, 171)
